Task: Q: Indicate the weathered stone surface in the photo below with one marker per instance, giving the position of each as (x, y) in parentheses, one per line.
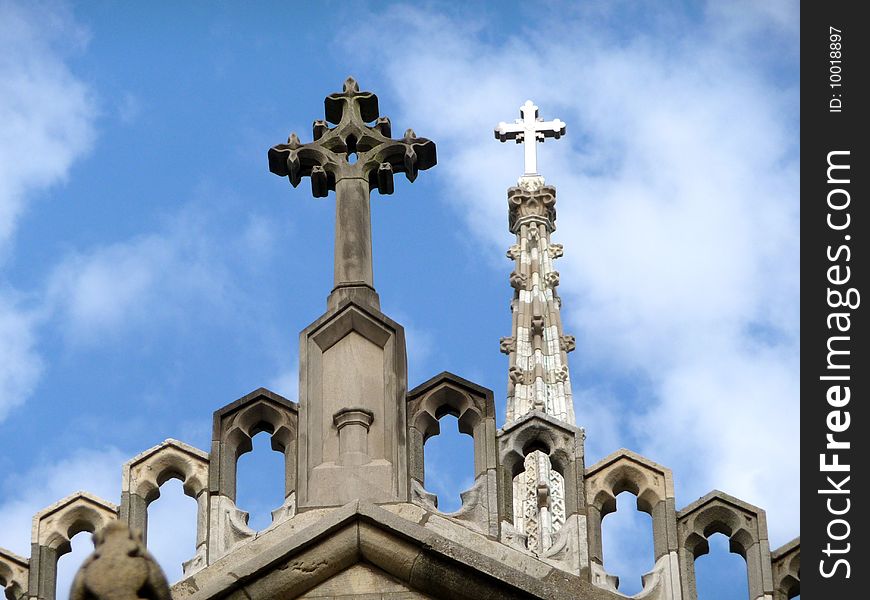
(120, 568)
(352, 357)
(235, 425)
(745, 526)
(352, 158)
(786, 562)
(233, 429)
(363, 582)
(53, 528)
(560, 442)
(276, 564)
(653, 486)
(142, 477)
(13, 575)
(474, 409)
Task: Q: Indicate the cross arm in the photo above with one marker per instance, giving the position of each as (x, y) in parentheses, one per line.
(408, 155)
(551, 129)
(509, 131)
(295, 160)
(352, 149)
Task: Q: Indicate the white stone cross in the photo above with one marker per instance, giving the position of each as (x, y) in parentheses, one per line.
(529, 130)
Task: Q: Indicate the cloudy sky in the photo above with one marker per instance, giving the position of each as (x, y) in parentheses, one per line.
(152, 270)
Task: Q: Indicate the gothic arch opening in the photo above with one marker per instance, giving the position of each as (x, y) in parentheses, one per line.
(172, 519)
(721, 572)
(627, 542)
(449, 462)
(260, 480)
(70, 557)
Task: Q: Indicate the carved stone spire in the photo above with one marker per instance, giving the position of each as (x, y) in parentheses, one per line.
(352, 158)
(538, 378)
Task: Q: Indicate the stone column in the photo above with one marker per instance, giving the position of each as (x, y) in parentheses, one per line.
(353, 431)
(353, 278)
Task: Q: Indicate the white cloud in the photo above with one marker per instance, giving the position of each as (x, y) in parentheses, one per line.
(129, 108)
(47, 113)
(47, 116)
(286, 383)
(420, 346)
(97, 292)
(26, 493)
(172, 529)
(20, 364)
(678, 209)
(132, 285)
(627, 544)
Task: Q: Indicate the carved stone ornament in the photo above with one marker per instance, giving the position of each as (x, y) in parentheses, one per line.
(567, 343)
(353, 148)
(561, 374)
(517, 375)
(507, 345)
(556, 250)
(514, 252)
(120, 567)
(537, 325)
(530, 183)
(537, 205)
(352, 158)
(518, 280)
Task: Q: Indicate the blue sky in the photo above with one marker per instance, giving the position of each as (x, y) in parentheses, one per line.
(152, 270)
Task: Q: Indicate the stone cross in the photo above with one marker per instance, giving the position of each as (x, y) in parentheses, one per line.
(529, 130)
(352, 158)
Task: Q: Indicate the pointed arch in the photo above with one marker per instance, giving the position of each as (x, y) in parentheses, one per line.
(54, 527)
(653, 486)
(474, 409)
(743, 524)
(233, 428)
(786, 562)
(14, 571)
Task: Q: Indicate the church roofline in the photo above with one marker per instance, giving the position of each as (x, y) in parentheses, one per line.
(289, 561)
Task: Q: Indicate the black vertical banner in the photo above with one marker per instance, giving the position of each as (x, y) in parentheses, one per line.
(835, 222)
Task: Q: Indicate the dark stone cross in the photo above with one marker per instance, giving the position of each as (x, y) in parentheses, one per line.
(352, 158)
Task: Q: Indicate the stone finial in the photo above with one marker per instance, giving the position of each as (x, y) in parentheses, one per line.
(352, 158)
(529, 130)
(120, 568)
(535, 206)
(352, 149)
